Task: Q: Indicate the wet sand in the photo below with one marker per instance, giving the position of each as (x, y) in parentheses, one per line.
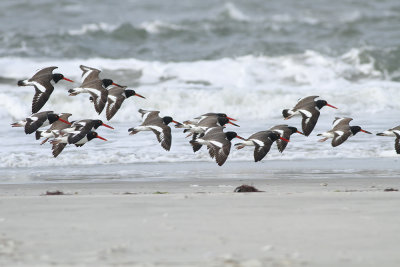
(340, 221)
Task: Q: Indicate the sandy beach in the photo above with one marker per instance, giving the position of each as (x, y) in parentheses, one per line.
(341, 221)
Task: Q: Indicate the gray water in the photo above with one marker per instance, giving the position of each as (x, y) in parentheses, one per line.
(249, 59)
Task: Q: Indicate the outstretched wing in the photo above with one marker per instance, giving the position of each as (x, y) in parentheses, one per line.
(58, 148)
(40, 98)
(99, 95)
(89, 74)
(148, 115)
(397, 143)
(34, 123)
(45, 72)
(310, 118)
(163, 134)
(260, 152)
(339, 137)
(113, 105)
(340, 122)
(305, 100)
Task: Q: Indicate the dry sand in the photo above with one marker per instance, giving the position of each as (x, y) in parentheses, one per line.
(295, 222)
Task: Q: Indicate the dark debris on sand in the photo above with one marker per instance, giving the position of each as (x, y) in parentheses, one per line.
(390, 190)
(246, 188)
(53, 193)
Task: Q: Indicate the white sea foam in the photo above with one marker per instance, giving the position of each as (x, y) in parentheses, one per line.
(158, 26)
(93, 27)
(252, 89)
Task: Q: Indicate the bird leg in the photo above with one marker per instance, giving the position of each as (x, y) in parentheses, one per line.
(323, 139)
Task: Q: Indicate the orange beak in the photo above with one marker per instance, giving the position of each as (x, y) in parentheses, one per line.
(102, 138)
(64, 121)
(299, 132)
(284, 139)
(176, 122)
(233, 124)
(232, 119)
(237, 136)
(117, 84)
(331, 106)
(364, 131)
(68, 80)
(140, 96)
(108, 126)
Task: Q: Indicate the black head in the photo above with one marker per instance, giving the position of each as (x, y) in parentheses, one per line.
(320, 103)
(273, 136)
(107, 82)
(52, 118)
(222, 115)
(91, 135)
(355, 129)
(57, 77)
(292, 129)
(222, 120)
(230, 135)
(167, 120)
(97, 123)
(129, 93)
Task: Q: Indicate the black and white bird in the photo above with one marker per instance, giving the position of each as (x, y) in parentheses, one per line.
(158, 125)
(341, 131)
(393, 132)
(218, 143)
(54, 129)
(93, 85)
(262, 142)
(284, 131)
(202, 125)
(43, 81)
(309, 109)
(59, 143)
(82, 127)
(188, 123)
(38, 120)
(116, 96)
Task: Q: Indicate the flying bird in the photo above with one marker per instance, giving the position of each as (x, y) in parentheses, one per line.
(59, 143)
(341, 131)
(43, 81)
(54, 128)
(218, 143)
(393, 132)
(158, 125)
(116, 96)
(309, 109)
(38, 120)
(262, 142)
(284, 131)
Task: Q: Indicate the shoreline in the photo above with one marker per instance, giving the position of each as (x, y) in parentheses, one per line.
(201, 222)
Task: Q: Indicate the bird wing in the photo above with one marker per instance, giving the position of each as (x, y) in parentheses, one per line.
(76, 136)
(340, 122)
(40, 98)
(99, 95)
(260, 152)
(114, 102)
(34, 122)
(45, 72)
(305, 100)
(397, 143)
(58, 148)
(340, 135)
(163, 133)
(148, 115)
(310, 118)
(89, 73)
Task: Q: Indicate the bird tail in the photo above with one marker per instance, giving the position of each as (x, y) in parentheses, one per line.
(132, 131)
(319, 134)
(286, 113)
(380, 134)
(22, 83)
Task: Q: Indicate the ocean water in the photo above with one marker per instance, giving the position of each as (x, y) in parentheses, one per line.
(249, 59)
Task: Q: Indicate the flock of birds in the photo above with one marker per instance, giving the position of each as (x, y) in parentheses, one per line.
(207, 129)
